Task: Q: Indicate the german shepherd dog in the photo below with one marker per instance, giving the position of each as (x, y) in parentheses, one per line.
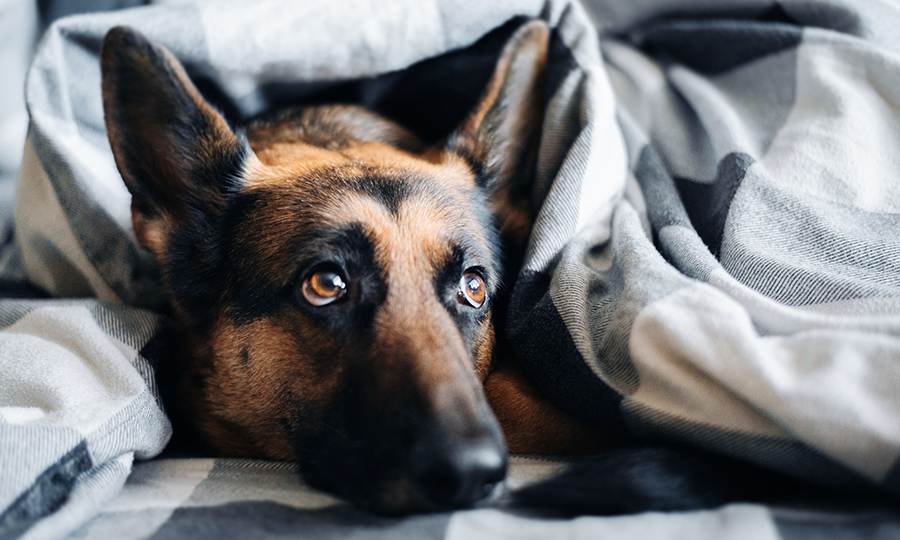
(336, 285)
(333, 279)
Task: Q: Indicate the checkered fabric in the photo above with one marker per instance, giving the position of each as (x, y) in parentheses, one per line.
(207, 499)
(715, 258)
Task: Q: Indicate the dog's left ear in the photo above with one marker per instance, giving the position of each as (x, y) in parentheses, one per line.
(176, 153)
(500, 136)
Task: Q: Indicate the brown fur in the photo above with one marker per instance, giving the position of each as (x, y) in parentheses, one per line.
(531, 423)
(386, 383)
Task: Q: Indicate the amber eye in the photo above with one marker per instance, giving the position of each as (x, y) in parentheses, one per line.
(323, 287)
(471, 290)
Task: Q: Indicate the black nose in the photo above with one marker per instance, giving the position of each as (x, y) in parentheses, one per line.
(461, 473)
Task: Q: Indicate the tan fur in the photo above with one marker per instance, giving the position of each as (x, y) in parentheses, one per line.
(484, 350)
(247, 379)
(532, 424)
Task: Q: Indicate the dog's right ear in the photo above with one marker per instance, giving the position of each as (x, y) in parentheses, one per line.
(176, 154)
(499, 138)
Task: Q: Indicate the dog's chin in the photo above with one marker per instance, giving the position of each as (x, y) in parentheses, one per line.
(385, 491)
(396, 498)
(400, 497)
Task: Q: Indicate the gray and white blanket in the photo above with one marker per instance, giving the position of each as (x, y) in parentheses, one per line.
(715, 260)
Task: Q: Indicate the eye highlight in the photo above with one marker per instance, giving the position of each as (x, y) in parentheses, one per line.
(323, 288)
(472, 291)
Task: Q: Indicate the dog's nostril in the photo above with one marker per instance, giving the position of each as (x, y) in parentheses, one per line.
(461, 475)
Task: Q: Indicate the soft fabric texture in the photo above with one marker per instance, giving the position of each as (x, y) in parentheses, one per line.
(715, 258)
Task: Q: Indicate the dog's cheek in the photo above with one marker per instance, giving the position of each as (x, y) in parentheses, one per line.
(483, 348)
(264, 387)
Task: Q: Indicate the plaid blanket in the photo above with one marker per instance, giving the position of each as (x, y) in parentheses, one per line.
(715, 259)
(206, 499)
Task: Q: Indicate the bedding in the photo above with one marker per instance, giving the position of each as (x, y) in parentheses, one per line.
(715, 259)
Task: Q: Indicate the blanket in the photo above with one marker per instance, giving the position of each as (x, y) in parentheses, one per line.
(715, 259)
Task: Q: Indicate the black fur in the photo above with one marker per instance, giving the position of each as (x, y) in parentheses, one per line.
(390, 192)
(168, 106)
(647, 478)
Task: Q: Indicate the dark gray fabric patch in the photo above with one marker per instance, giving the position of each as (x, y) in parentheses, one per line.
(664, 207)
(717, 46)
(560, 63)
(776, 13)
(50, 490)
(707, 203)
(610, 316)
(21, 290)
(892, 479)
(51, 10)
(821, 526)
(61, 273)
(555, 145)
(827, 15)
(541, 341)
(249, 520)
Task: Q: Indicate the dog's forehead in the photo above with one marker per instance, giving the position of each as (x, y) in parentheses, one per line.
(409, 207)
(280, 162)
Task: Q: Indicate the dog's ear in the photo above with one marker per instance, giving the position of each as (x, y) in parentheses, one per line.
(176, 154)
(499, 138)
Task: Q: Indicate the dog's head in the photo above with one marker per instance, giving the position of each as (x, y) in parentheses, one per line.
(332, 278)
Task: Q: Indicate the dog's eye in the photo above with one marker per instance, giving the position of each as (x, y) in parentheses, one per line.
(323, 287)
(471, 290)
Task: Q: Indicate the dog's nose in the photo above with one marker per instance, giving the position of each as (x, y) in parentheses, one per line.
(461, 474)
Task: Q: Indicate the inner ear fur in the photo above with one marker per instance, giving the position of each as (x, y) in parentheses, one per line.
(499, 138)
(175, 152)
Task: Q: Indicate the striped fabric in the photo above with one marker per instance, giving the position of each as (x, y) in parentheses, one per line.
(206, 499)
(714, 259)
(743, 292)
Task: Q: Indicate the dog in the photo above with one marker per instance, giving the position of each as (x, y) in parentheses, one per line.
(335, 281)
(336, 285)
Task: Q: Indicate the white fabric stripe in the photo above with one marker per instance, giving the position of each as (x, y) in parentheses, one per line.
(141, 427)
(710, 365)
(840, 141)
(73, 371)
